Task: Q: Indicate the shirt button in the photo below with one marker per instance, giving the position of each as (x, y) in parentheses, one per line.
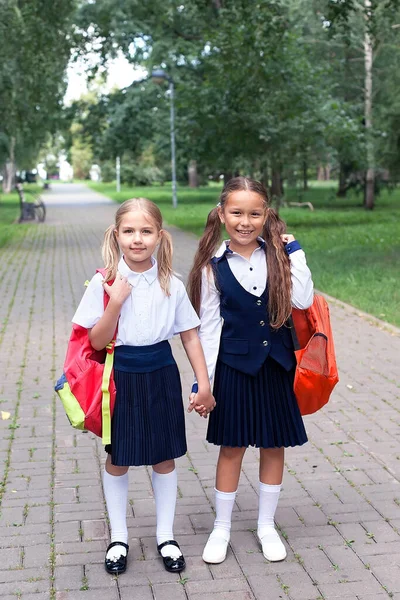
(254, 287)
(258, 302)
(262, 323)
(265, 343)
(251, 268)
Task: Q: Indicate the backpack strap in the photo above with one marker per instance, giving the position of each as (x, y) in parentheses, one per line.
(105, 384)
(293, 333)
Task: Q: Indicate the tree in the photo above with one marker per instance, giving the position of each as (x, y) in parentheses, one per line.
(36, 40)
(376, 19)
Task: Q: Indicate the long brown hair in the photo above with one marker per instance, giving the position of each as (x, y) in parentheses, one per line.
(110, 249)
(278, 266)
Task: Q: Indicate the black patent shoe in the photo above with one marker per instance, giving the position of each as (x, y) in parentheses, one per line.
(116, 567)
(173, 565)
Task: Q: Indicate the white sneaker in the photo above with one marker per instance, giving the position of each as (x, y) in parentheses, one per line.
(216, 547)
(272, 546)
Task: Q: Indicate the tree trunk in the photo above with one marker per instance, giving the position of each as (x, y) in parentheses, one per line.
(327, 171)
(9, 169)
(342, 181)
(368, 60)
(192, 174)
(321, 173)
(276, 182)
(305, 175)
(228, 175)
(264, 174)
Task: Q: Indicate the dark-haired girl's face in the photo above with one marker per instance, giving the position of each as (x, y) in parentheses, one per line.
(243, 214)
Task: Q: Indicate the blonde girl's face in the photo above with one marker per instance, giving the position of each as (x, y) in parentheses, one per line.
(243, 214)
(138, 237)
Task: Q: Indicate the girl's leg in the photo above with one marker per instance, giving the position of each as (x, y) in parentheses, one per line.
(227, 479)
(165, 485)
(115, 483)
(271, 473)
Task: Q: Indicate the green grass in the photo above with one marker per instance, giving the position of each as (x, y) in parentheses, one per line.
(10, 229)
(9, 213)
(353, 254)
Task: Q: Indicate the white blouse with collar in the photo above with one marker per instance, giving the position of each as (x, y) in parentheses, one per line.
(148, 316)
(252, 276)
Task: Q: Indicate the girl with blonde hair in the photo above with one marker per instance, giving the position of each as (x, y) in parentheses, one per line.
(149, 305)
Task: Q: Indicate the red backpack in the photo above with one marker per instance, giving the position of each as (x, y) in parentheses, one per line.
(87, 388)
(316, 370)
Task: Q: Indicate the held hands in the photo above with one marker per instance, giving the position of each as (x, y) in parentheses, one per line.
(202, 403)
(119, 290)
(287, 238)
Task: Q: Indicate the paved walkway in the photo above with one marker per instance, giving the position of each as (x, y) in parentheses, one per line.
(339, 510)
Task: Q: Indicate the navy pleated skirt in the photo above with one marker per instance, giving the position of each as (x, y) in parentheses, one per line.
(148, 424)
(259, 411)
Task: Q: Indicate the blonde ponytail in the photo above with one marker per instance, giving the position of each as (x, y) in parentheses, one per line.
(164, 260)
(110, 253)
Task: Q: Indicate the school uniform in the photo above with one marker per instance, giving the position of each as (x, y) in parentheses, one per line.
(148, 424)
(253, 363)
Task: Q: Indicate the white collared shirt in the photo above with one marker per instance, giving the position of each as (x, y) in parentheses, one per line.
(252, 276)
(147, 316)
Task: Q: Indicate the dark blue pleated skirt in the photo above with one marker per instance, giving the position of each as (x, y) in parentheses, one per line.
(259, 411)
(148, 424)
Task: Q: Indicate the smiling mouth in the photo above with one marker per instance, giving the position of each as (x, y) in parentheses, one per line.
(244, 232)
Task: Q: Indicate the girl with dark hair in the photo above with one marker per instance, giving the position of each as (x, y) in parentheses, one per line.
(150, 306)
(244, 291)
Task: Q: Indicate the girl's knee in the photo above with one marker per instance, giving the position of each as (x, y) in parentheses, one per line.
(233, 454)
(165, 467)
(272, 453)
(114, 469)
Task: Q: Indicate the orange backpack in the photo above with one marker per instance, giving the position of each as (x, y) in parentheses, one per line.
(316, 370)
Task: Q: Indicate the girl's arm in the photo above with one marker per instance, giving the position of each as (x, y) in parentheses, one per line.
(302, 283)
(209, 332)
(195, 354)
(102, 333)
(211, 321)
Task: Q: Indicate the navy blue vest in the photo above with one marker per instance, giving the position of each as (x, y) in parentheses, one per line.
(247, 337)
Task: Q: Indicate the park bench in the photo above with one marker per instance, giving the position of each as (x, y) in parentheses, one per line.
(32, 209)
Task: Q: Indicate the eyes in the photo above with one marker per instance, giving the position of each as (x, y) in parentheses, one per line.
(253, 214)
(144, 231)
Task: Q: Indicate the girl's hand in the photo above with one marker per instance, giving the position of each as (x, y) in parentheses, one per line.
(287, 238)
(202, 403)
(201, 410)
(119, 291)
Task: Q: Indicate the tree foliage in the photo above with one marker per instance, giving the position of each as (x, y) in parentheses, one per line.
(34, 52)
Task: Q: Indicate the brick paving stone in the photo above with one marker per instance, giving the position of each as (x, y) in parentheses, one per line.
(10, 558)
(144, 592)
(347, 475)
(169, 591)
(24, 587)
(241, 595)
(218, 585)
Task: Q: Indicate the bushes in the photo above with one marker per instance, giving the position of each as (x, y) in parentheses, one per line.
(132, 172)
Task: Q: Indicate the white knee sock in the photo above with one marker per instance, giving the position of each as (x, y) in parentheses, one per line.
(224, 502)
(268, 501)
(116, 493)
(165, 486)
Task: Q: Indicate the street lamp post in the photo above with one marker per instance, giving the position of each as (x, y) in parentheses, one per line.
(158, 76)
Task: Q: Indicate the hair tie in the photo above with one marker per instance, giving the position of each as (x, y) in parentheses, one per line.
(218, 205)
